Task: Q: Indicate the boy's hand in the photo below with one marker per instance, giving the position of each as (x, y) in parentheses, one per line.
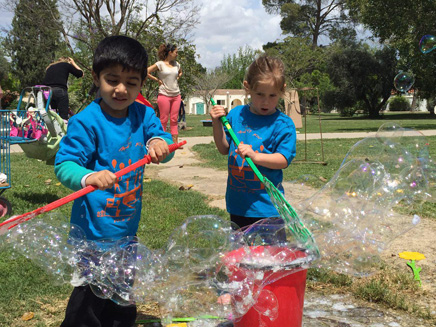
(158, 150)
(245, 150)
(217, 112)
(103, 179)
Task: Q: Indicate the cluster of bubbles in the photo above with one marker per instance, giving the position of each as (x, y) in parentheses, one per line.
(351, 219)
(404, 81)
(357, 214)
(205, 259)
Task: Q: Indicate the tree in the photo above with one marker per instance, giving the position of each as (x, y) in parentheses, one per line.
(401, 24)
(32, 42)
(159, 20)
(361, 76)
(236, 65)
(4, 68)
(297, 55)
(310, 18)
(207, 83)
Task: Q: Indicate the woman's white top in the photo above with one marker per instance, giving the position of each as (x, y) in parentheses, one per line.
(168, 76)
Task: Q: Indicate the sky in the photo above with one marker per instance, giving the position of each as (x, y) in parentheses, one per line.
(225, 26)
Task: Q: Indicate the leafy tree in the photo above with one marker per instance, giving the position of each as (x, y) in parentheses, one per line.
(236, 65)
(312, 81)
(402, 24)
(32, 42)
(361, 75)
(298, 56)
(310, 18)
(4, 68)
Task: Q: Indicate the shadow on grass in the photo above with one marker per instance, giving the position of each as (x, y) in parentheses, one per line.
(38, 199)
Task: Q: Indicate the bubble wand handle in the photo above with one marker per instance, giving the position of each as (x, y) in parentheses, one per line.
(14, 221)
(235, 139)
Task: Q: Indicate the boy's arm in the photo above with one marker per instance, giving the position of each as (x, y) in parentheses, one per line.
(76, 177)
(218, 130)
(70, 174)
(157, 139)
(158, 150)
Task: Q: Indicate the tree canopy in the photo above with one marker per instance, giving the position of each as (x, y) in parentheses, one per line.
(310, 18)
(33, 41)
(361, 76)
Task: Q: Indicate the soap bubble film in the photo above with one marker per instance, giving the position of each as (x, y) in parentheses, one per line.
(356, 215)
(427, 43)
(403, 81)
(351, 219)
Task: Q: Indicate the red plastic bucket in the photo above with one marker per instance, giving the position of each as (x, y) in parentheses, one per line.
(288, 287)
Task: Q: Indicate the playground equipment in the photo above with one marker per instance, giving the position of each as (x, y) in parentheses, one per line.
(36, 128)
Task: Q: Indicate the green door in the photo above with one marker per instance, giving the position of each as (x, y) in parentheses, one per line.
(200, 108)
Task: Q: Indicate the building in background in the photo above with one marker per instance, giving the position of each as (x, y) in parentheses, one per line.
(229, 98)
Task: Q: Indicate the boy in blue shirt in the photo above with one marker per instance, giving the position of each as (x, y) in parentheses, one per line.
(111, 133)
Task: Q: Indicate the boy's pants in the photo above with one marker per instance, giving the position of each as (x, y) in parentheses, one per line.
(85, 309)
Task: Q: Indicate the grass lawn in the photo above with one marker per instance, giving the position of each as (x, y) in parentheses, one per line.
(332, 123)
(335, 151)
(25, 287)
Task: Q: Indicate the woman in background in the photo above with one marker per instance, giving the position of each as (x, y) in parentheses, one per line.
(168, 99)
(56, 76)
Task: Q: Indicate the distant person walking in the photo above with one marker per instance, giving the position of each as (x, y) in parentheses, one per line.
(56, 76)
(168, 99)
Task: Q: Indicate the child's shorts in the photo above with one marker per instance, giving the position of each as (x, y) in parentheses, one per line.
(85, 309)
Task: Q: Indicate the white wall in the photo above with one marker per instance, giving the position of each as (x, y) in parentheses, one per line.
(226, 100)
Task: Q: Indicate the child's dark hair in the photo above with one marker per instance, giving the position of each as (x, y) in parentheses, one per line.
(164, 49)
(120, 50)
(266, 68)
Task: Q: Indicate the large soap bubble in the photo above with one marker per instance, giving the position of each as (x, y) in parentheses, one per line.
(403, 81)
(356, 215)
(427, 43)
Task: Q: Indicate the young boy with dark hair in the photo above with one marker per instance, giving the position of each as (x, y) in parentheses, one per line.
(111, 133)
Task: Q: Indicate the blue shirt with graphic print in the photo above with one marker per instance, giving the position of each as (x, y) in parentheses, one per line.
(98, 141)
(246, 195)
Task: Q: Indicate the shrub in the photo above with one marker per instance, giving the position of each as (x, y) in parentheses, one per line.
(399, 103)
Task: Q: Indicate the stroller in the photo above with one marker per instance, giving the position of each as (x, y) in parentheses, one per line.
(34, 126)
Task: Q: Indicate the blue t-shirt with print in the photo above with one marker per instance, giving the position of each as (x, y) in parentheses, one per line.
(246, 195)
(98, 141)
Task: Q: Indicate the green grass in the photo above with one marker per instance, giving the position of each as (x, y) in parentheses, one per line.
(332, 123)
(335, 151)
(25, 287)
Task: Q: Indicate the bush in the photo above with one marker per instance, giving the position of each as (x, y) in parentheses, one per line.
(399, 103)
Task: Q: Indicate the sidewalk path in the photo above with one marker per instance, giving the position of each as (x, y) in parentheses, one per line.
(301, 137)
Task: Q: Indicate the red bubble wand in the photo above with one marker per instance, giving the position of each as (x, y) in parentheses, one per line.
(16, 220)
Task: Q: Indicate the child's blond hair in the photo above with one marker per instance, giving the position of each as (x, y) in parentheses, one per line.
(266, 68)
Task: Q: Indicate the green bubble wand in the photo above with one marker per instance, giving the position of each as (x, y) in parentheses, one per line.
(286, 211)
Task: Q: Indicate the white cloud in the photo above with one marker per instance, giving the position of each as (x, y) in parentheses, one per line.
(227, 25)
